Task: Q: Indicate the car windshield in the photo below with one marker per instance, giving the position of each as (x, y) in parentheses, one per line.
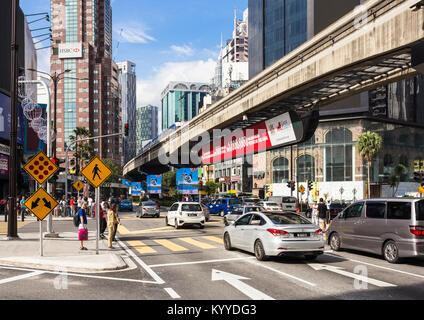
(288, 218)
(191, 207)
(289, 200)
(419, 210)
(235, 201)
(254, 209)
(149, 204)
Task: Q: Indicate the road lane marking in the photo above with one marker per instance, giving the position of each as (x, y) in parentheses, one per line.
(172, 293)
(199, 244)
(214, 239)
(377, 266)
(21, 277)
(171, 245)
(153, 274)
(141, 247)
(340, 271)
(198, 262)
(235, 281)
(284, 274)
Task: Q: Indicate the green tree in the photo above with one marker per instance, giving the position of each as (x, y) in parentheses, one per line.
(211, 187)
(83, 151)
(394, 179)
(369, 145)
(116, 172)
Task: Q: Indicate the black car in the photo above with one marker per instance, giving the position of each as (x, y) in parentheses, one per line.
(335, 208)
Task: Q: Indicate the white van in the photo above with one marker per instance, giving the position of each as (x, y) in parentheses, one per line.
(286, 203)
(185, 213)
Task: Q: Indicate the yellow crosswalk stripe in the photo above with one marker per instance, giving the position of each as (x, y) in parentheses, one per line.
(214, 239)
(202, 245)
(171, 245)
(141, 247)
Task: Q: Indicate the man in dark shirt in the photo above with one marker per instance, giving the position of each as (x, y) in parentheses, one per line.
(322, 214)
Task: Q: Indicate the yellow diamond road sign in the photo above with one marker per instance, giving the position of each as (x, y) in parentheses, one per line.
(41, 168)
(41, 204)
(96, 172)
(78, 185)
(301, 189)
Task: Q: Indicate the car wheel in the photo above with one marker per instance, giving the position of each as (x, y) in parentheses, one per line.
(391, 252)
(226, 222)
(259, 251)
(158, 215)
(202, 226)
(227, 242)
(335, 242)
(311, 257)
(166, 221)
(222, 213)
(176, 224)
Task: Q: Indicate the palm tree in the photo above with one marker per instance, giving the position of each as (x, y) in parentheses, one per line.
(369, 145)
(82, 151)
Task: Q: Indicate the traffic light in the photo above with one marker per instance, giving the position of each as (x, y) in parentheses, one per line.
(58, 162)
(126, 131)
(289, 184)
(293, 185)
(310, 185)
(418, 177)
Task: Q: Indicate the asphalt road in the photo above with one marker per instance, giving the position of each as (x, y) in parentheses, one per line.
(192, 264)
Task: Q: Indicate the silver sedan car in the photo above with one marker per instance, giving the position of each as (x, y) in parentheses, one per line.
(148, 209)
(272, 234)
(239, 211)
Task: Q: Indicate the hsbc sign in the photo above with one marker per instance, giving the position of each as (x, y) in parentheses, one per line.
(70, 50)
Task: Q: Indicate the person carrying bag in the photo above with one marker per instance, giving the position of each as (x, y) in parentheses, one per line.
(82, 228)
(112, 223)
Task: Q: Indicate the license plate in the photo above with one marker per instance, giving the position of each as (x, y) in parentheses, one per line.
(301, 235)
(192, 215)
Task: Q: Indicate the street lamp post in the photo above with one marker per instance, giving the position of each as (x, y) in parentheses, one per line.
(12, 227)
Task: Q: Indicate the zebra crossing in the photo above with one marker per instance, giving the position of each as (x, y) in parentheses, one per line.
(182, 244)
(4, 226)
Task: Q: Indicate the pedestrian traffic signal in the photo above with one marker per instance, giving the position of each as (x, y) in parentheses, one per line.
(310, 185)
(126, 127)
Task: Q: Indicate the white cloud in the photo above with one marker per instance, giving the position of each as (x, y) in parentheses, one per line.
(149, 90)
(133, 33)
(184, 50)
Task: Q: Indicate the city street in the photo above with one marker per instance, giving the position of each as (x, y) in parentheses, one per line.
(192, 264)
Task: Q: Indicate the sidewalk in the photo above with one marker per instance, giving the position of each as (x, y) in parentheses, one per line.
(59, 254)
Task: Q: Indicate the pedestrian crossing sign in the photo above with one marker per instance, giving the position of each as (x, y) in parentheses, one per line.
(41, 203)
(96, 172)
(78, 185)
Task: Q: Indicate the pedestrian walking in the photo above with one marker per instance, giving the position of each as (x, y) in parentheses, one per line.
(112, 223)
(72, 204)
(22, 208)
(315, 213)
(103, 221)
(82, 228)
(114, 207)
(322, 214)
(90, 206)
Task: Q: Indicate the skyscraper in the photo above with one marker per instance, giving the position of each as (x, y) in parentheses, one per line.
(128, 81)
(180, 102)
(277, 27)
(147, 125)
(89, 95)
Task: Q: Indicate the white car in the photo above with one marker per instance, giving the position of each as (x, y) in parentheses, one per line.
(267, 234)
(185, 213)
(269, 206)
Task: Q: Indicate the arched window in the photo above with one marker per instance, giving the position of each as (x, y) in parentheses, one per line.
(305, 168)
(280, 170)
(180, 86)
(339, 155)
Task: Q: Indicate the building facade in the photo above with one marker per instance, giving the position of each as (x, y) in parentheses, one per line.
(181, 102)
(146, 125)
(128, 82)
(277, 27)
(89, 95)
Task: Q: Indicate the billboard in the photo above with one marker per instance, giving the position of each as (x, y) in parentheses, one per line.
(154, 184)
(284, 130)
(70, 50)
(187, 180)
(136, 189)
(6, 119)
(33, 144)
(4, 165)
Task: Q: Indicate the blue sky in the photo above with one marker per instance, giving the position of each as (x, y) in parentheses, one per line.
(168, 40)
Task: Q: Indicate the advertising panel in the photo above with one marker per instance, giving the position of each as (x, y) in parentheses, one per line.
(154, 184)
(136, 189)
(187, 179)
(70, 50)
(282, 130)
(33, 144)
(4, 165)
(6, 119)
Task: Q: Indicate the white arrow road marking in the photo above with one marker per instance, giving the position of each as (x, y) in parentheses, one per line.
(24, 276)
(340, 271)
(236, 282)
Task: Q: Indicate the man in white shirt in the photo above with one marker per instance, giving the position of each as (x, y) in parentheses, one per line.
(90, 206)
